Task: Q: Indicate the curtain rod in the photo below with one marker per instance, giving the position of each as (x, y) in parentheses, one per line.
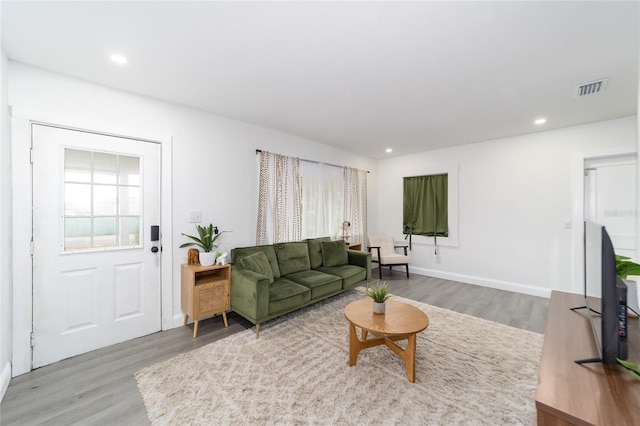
(258, 151)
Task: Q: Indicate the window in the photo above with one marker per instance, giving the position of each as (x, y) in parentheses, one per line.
(102, 200)
(300, 199)
(322, 188)
(425, 206)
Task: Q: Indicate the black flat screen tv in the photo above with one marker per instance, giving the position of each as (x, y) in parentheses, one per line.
(605, 296)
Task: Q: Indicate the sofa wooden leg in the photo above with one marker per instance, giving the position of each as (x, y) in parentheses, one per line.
(407, 270)
(257, 331)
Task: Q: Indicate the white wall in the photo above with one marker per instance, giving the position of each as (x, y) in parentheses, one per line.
(5, 230)
(515, 195)
(214, 159)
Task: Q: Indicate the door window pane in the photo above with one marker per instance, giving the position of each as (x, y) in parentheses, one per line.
(104, 232)
(129, 170)
(77, 166)
(77, 233)
(77, 199)
(129, 200)
(105, 168)
(102, 200)
(130, 231)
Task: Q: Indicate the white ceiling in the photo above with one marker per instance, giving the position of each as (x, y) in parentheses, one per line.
(362, 76)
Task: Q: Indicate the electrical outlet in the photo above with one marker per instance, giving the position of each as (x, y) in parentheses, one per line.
(438, 260)
(195, 216)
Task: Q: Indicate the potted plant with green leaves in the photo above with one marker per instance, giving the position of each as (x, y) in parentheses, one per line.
(625, 267)
(379, 293)
(632, 367)
(207, 236)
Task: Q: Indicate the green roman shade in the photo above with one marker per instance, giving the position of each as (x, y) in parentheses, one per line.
(425, 210)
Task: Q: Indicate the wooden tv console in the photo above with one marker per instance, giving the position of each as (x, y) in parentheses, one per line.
(587, 394)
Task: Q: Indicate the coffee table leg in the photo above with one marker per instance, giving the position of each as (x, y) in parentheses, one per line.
(354, 345)
(410, 358)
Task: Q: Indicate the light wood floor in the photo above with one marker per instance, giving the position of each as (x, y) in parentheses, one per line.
(99, 388)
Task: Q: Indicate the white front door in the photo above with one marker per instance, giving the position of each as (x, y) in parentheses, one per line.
(96, 280)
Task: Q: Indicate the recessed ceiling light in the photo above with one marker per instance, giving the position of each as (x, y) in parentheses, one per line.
(388, 150)
(540, 121)
(118, 59)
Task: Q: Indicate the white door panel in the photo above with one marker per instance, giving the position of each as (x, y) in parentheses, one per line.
(96, 281)
(610, 200)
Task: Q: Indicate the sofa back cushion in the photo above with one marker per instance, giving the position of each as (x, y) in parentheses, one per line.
(315, 251)
(258, 262)
(292, 257)
(239, 252)
(334, 253)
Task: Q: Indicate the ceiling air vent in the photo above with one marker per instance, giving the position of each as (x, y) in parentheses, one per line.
(591, 88)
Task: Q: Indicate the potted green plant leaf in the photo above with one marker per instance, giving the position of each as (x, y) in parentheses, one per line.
(632, 367)
(625, 267)
(207, 236)
(379, 293)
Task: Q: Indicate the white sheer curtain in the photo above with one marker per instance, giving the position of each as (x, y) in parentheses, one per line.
(355, 203)
(300, 199)
(279, 213)
(322, 199)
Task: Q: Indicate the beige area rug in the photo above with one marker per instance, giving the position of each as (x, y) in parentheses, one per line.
(468, 371)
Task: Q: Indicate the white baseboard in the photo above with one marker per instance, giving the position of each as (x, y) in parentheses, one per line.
(5, 378)
(469, 279)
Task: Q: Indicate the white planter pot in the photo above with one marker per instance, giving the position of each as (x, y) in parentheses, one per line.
(378, 308)
(207, 259)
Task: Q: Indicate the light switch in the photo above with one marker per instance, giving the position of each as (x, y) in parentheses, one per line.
(195, 216)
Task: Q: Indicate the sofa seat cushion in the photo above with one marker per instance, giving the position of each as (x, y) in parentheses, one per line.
(292, 257)
(321, 284)
(285, 295)
(334, 253)
(351, 275)
(315, 251)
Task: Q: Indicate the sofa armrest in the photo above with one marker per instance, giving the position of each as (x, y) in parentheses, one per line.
(249, 294)
(362, 259)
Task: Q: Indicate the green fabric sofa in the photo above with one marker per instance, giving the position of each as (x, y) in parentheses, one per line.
(271, 280)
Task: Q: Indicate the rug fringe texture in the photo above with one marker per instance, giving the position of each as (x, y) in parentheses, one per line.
(469, 371)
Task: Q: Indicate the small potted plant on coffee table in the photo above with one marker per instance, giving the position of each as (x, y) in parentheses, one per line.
(379, 293)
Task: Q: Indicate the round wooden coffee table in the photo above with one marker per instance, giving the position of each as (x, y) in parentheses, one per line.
(400, 321)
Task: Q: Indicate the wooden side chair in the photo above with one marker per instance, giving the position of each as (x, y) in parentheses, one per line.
(383, 252)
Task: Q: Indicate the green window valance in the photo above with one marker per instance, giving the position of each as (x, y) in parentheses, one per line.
(425, 210)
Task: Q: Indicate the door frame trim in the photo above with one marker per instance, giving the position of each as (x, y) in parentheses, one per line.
(577, 231)
(21, 121)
